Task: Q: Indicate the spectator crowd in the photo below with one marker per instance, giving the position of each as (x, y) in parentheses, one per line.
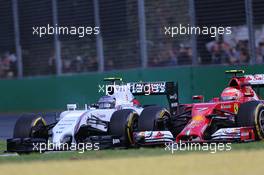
(8, 67)
(234, 49)
(225, 50)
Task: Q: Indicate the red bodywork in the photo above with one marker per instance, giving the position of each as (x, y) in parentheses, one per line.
(201, 112)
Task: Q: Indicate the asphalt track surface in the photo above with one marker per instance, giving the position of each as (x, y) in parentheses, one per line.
(7, 123)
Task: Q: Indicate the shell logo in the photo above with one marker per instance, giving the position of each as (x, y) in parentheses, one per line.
(198, 118)
(235, 108)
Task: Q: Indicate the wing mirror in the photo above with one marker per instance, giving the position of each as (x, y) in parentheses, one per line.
(198, 97)
(216, 99)
(71, 107)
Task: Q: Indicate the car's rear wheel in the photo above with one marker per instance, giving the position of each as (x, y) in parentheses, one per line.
(122, 124)
(251, 114)
(154, 118)
(30, 126)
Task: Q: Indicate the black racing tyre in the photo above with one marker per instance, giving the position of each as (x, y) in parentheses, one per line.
(122, 124)
(30, 126)
(154, 118)
(251, 114)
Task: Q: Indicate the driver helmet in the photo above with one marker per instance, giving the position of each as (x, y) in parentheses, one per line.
(106, 102)
(230, 94)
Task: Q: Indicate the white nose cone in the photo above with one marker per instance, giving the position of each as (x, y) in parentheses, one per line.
(67, 126)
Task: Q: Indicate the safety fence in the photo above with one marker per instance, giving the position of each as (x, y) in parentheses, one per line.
(51, 37)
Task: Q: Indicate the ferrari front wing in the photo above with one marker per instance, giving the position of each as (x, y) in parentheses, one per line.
(238, 134)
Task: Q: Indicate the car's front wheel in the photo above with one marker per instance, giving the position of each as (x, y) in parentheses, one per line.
(29, 131)
(30, 126)
(154, 118)
(251, 114)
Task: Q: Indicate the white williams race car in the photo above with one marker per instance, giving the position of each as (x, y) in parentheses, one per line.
(110, 122)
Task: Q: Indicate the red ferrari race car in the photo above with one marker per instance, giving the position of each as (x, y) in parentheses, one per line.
(236, 116)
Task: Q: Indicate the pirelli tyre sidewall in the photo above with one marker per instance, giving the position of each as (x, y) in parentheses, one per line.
(122, 124)
(251, 114)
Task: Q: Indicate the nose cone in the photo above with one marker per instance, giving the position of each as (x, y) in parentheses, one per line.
(203, 109)
(67, 126)
(194, 130)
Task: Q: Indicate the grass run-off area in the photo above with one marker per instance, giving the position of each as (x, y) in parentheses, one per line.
(242, 159)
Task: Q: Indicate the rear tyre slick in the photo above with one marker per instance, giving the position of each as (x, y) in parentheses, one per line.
(122, 124)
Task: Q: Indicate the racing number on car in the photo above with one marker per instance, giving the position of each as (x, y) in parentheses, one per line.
(235, 108)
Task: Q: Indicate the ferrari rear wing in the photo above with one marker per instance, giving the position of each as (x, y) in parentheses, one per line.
(170, 89)
(256, 80)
